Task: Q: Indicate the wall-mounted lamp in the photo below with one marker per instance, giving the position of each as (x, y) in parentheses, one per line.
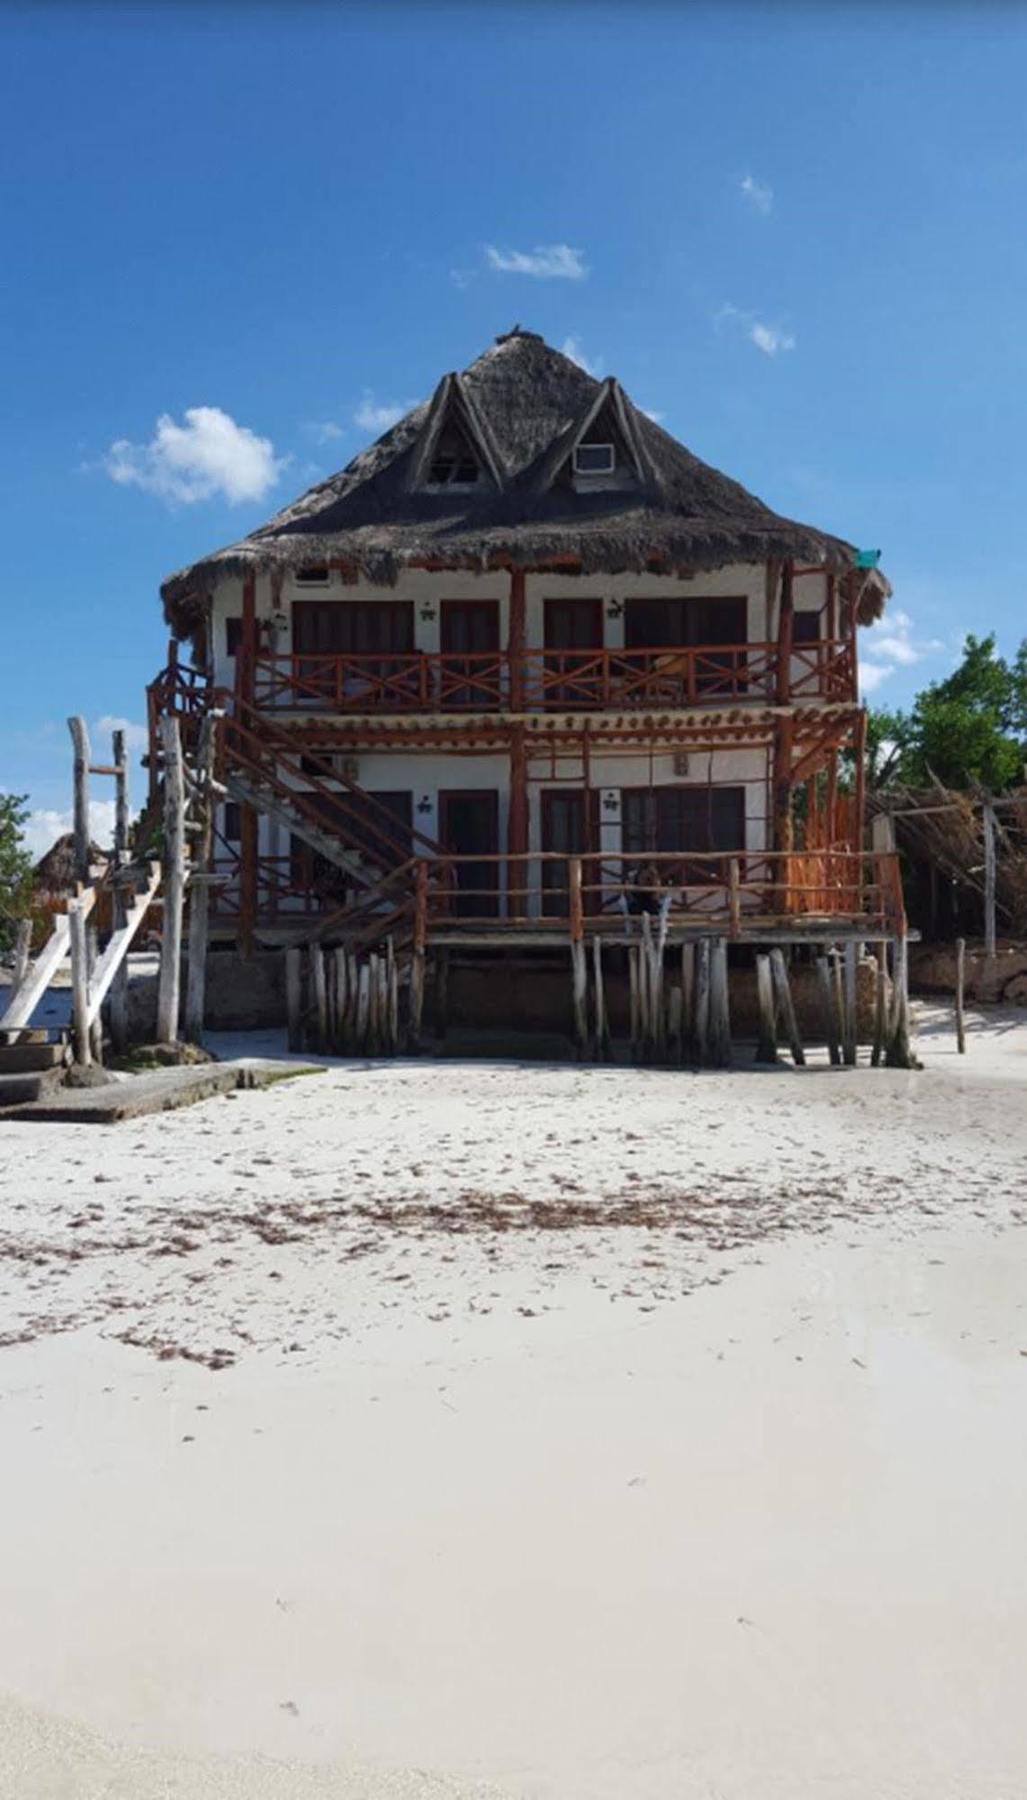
(424, 804)
(614, 609)
(611, 800)
(427, 612)
(280, 619)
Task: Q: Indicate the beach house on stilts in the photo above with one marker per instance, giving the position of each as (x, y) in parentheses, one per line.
(529, 716)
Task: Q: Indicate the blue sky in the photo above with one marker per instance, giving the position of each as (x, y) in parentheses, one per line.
(798, 234)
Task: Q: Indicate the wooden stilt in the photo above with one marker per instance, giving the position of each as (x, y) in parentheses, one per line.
(79, 983)
(786, 1008)
(441, 992)
(602, 1023)
(960, 991)
(687, 997)
(392, 996)
(294, 996)
(635, 1018)
(117, 1004)
(825, 982)
(319, 995)
(363, 1009)
(702, 1002)
(173, 862)
(22, 947)
(341, 998)
(900, 1053)
(199, 892)
(838, 989)
(675, 1032)
(579, 968)
(849, 1043)
(880, 1004)
(766, 1047)
(720, 1014)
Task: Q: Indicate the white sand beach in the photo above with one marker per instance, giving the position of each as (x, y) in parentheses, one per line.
(450, 1429)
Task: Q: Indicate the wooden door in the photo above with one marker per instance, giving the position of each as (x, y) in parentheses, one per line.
(469, 827)
(568, 829)
(470, 673)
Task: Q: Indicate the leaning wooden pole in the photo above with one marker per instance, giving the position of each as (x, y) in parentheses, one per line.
(785, 1006)
(169, 984)
(766, 1043)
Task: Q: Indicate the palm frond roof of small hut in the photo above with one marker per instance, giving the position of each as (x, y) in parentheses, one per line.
(57, 871)
(519, 411)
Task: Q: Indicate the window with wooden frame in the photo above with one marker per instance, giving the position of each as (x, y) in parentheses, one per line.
(233, 635)
(672, 819)
(806, 628)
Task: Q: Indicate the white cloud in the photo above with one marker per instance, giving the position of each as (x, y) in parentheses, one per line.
(771, 339)
(592, 365)
(44, 826)
(759, 194)
(546, 262)
(377, 415)
(207, 456)
(651, 413)
(890, 645)
(135, 735)
(324, 431)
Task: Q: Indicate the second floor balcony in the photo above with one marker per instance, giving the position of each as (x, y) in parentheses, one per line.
(550, 681)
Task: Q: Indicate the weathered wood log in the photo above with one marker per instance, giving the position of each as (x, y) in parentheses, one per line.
(602, 1023)
(825, 981)
(960, 993)
(79, 983)
(849, 1041)
(579, 996)
(675, 1034)
(319, 995)
(687, 997)
(199, 892)
(441, 1008)
(900, 1054)
(363, 1009)
(988, 822)
(766, 1045)
(702, 1002)
(720, 1013)
(880, 1004)
(294, 996)
(783, 990)
(173, 862)
(117, 1004)
(22, 947)
(634, 1008)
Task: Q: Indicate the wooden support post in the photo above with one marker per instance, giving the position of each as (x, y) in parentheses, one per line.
(22, 947)
(517, 827)
(517, 639)
(294, 996)
(441, 993)
(782, 795)
(83, 841)
(675, 1032)
(363, 1009)
(117, 1006)
(988, 822)
(319, 995)
(341, 999)
(960, 991)
(392, 997)
(199, 891)
(579, 967)
(734, 897)
(766, 1046)
(79, 982)
(850, 1032)
(702, 1001)
(825, 982)
(785, 634)
(720, 1013)
(169, 984)
(416, 996)
(786, 1008)
(602, 1023)
(900, 1054)
(635, 1015)
(687, 997)
(880, 1005)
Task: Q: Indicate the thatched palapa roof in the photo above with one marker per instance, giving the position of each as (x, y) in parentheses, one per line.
(57, 871)
(520, 410)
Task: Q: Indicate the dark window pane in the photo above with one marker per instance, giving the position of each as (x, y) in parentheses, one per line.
(233, 636)
(806, 628)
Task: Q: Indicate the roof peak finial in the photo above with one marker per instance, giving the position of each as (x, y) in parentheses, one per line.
(519, 331)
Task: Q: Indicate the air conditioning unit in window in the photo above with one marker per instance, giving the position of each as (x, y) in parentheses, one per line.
(681, 762)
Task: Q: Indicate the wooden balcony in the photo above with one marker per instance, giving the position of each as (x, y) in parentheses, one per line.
(550, 680)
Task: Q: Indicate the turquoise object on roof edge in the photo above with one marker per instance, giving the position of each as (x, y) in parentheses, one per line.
(867, 559)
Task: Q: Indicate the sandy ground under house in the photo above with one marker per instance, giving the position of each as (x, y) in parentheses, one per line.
(449, 1429)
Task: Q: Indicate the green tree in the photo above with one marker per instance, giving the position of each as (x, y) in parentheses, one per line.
(968, 730)
(15, 867)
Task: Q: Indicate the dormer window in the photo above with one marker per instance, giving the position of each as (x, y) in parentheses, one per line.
(594, 459)
(453, 463)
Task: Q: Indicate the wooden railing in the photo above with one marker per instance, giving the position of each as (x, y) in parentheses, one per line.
(550, 680)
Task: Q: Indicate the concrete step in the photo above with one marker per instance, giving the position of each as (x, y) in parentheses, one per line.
(25, 1089)
(20, 1059)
